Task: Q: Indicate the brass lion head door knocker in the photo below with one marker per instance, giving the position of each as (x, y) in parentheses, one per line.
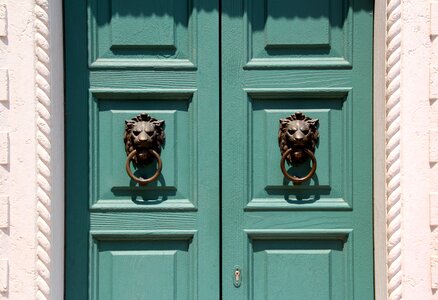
(297, 138)
(144, 136)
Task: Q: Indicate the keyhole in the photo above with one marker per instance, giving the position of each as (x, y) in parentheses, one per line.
(237, 276)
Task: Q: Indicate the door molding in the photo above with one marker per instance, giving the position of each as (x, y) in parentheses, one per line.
(387, 179)
(49, 219)
(44, 158)
(49, 132)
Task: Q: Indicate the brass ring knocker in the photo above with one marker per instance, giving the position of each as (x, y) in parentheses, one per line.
(144, 137)
(142, 181)
(296, 179)
(297, 137)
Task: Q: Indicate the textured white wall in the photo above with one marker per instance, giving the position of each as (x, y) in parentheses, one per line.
(17, 148)
(433, 144)
(416, 181)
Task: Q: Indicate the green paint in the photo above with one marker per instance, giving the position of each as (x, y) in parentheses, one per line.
(125, 242)
(269, 73)
(311, 241)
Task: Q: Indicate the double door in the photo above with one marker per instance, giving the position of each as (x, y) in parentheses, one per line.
(221, 220)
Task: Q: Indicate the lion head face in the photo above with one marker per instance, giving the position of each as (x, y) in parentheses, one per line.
(144, 133)
(298, 132)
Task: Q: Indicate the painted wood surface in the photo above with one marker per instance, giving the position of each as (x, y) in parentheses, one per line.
(314, 240)
(160, 241)
(221, 159)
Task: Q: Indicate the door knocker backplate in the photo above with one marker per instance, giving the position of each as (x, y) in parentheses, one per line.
(297, 137)
(144, 137)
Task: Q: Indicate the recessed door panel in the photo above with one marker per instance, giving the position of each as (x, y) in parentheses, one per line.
(142, 33)
(293, 33)
(173, 189)
(137, 269)
(303, 268)
(330, 187)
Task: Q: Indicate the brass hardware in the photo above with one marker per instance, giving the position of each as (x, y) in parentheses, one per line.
(144, 136)
(140, 180)
(237, 276)
(294, 178)
(297, 138)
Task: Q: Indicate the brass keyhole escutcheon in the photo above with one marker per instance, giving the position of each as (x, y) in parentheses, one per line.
(237, 276)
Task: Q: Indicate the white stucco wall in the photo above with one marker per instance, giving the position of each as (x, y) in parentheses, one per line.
(18, 144)
(433, 144)
(416, 181)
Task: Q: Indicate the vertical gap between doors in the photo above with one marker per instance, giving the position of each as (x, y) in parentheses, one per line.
(220, 148)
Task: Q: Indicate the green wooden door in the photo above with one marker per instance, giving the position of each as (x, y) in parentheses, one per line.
(221, 75)
(124, 58)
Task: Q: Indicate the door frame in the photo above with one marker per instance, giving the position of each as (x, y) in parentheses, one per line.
(49, 81)
(381, 276)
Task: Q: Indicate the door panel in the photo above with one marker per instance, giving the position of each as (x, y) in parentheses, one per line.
(321, 263)
(164, 240)
(137, 269)
(297, 241)
(282, 34)
(124, 58)
(143, 33)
